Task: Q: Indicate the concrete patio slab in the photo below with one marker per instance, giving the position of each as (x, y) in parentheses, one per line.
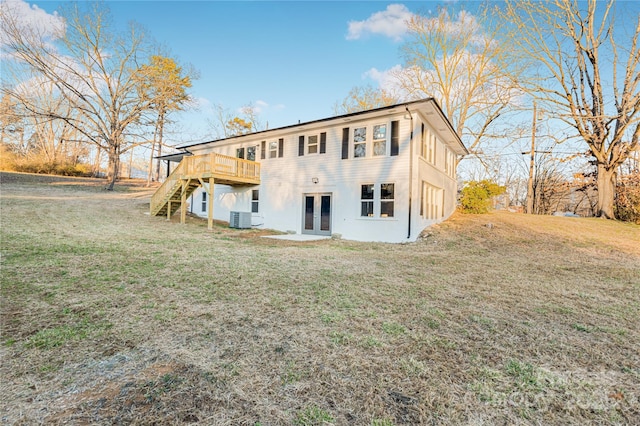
(298, 237)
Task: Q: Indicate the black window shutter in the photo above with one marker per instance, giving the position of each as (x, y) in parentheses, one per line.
(300, 145)
(280, 147)
(323, 142)
(263, 150)
(395, 140)
(345, 143)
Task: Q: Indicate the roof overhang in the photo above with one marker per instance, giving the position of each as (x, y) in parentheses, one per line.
(176, 157)
(428, 107)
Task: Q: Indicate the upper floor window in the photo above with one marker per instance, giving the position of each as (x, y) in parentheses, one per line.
(273, 149)
(360, 142)
(251, 153)
(428, 141)
(372, 139)
(380, 139)
(240, 153)
(312, 144)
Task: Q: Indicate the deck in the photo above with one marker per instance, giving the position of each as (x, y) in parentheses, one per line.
(201, 170)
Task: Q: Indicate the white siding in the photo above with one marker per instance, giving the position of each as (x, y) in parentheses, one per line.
(285, 179)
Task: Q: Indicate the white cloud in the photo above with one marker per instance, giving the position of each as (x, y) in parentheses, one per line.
(30, 18)
(388, 80)
(260, 107)
(202, 104)
(392, 22)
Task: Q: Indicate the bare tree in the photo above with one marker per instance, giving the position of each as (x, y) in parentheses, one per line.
(95, 72)
(466, 63)
(574, 44)
(226, 123)
(362, 98)
(11, 121)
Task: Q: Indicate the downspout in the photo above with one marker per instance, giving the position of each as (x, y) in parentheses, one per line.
(410, 171)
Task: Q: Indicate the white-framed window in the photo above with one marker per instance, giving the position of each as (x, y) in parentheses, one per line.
(431, 148)
(371, 141)
(380, 139)
(251, 153)
(273, 149)
(255, 201)
(431, 201)
(204, 201)
(428, 141)
(239, 152)
(449, 163)
(366, 200)
(312, 144)
(377, 200)
(387, 199)
(360, 142)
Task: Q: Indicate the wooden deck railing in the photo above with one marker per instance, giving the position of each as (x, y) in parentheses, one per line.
(229, 169)
(220, 165)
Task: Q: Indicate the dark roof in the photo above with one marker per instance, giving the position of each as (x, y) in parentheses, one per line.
(337, 117)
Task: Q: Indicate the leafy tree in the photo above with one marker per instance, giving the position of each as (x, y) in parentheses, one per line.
(475, 196)
(239, 126)
(589, 75)
(165, 84)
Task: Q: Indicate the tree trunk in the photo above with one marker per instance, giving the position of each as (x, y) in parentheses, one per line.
(606, 191)
(96, 163)
(112, 169)
(160, 135)
(150, 174)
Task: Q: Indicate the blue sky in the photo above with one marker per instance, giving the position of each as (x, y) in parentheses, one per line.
(293, 59)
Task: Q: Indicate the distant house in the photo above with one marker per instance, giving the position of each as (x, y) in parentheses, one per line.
(378, 175)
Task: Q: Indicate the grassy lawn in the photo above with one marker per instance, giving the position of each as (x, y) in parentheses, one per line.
(110, 316)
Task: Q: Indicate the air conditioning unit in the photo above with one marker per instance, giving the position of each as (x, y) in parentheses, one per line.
(240, 220)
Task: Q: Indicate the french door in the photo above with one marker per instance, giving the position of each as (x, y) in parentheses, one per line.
(316, 215)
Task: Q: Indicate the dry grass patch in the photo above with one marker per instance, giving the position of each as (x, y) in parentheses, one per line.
(110, 316)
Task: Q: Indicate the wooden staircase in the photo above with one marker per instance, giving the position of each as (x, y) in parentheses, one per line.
(201, 170)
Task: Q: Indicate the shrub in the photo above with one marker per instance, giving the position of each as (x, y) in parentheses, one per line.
(627, 202)
(61, 169)
(475, 196)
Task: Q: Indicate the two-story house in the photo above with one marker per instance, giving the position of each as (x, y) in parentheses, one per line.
(377, 175)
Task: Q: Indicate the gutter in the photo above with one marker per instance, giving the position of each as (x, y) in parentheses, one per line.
(406, 107)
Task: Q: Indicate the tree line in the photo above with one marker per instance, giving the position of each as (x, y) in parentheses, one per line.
(84, 84)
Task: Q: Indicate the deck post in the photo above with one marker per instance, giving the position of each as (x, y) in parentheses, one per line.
(210, 197)
(183, 201)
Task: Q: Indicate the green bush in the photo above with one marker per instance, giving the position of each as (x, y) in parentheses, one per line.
(475, 196)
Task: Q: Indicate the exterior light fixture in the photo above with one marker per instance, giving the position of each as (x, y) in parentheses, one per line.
(314, 180)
